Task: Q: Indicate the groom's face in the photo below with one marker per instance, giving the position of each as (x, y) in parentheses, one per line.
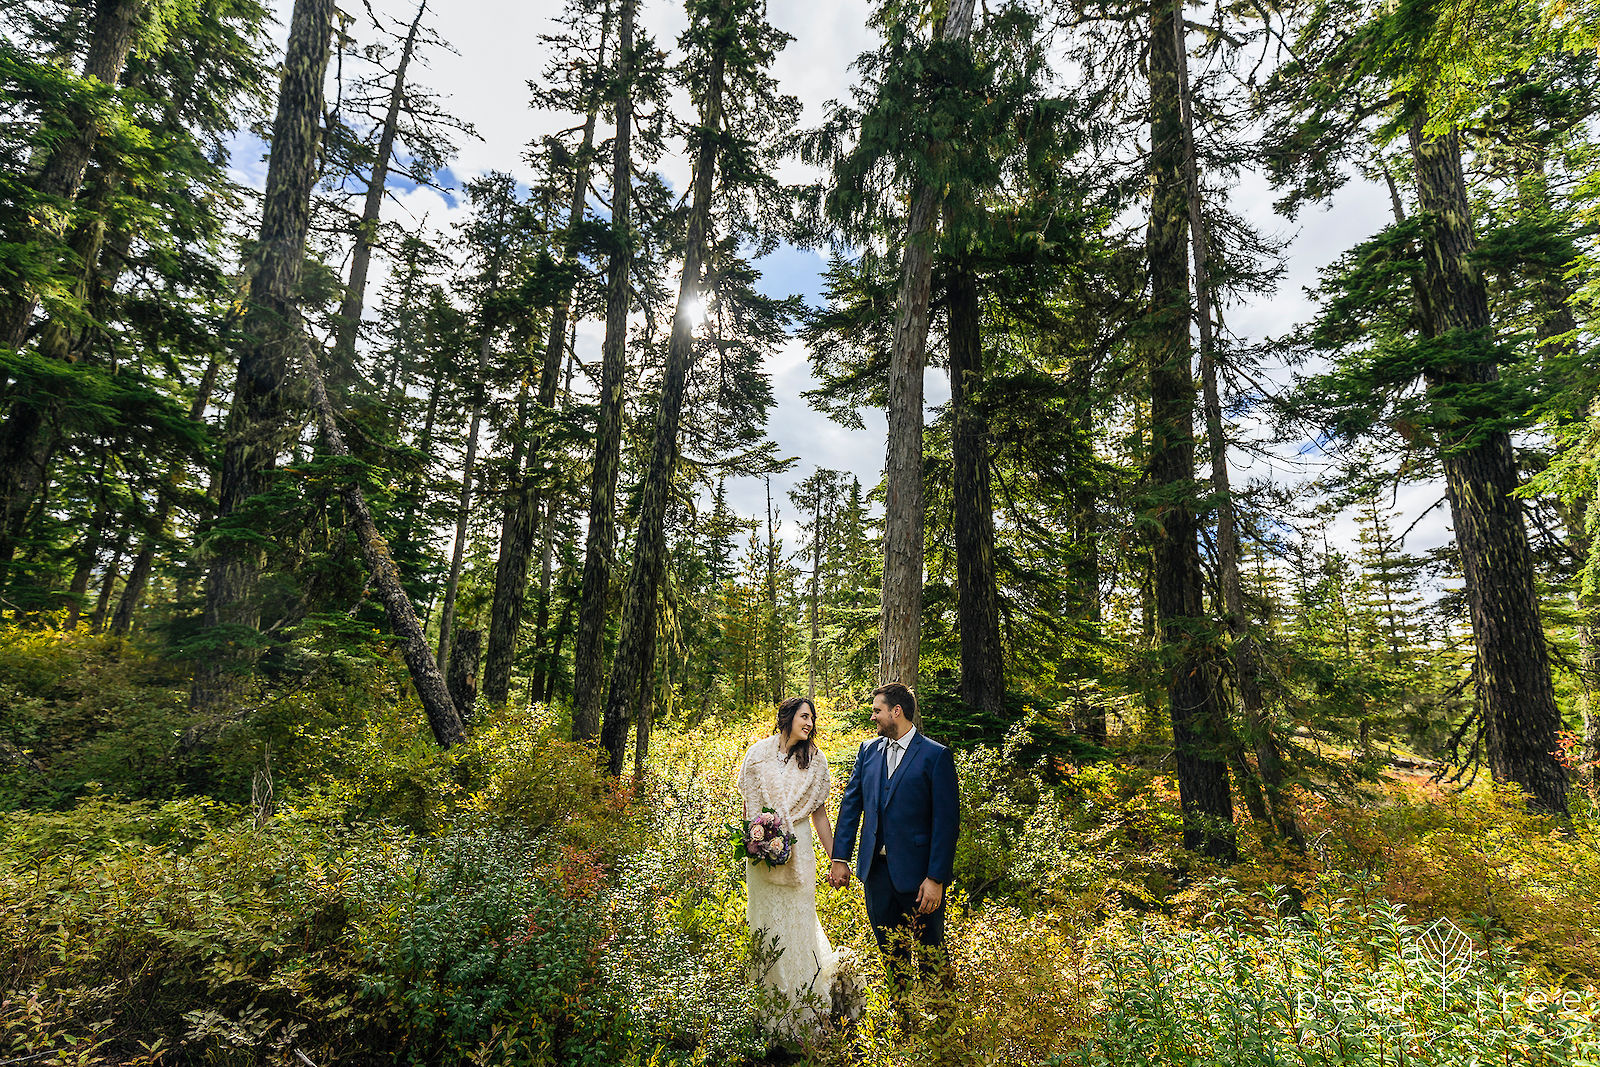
(885, 718)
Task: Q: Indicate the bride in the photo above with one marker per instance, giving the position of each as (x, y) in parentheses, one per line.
(787, 773)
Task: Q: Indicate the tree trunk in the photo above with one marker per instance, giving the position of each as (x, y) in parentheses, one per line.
(102, 605)
(27, 437)
(641, 744)
(546, 660)
(1153, 721)
(541, 617)
(1197, 721)
(27, 440)
(64, 338)
(258, 422)
(777, 676)
(520, 523)
(33, 423)
(410, 321)
(461, 677)
(636, 638)
(600, 545)
(347, 325)
(1246, 666)
(1250, 791)
(429, 683)
(139, 573)
(1513, 667)
(447, 609)
(562, 628)
(89, 551)
(1086, 506)
(983, 683)
(72, 136)
(647, 700)
(900, 632)
(423, 444)
(88, 555)
(816, 575)
(35, 513)
(1590, 752)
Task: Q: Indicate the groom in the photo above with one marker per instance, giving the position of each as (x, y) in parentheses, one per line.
(902, 799)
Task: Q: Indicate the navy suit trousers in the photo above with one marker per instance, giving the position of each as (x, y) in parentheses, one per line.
(905, 937)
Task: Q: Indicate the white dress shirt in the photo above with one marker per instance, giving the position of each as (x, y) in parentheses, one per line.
(897, 749)
(893, 752)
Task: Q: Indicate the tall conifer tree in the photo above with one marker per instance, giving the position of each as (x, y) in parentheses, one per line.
(588, 666)
(261, 415)
(730, 48)
(1392, 63)
(900, 635)
(519, 522)
(1198, 723)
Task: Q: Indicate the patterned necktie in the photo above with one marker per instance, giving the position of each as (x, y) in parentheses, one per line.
(894, 757)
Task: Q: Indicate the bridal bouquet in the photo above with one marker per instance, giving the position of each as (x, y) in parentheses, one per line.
(764, 839)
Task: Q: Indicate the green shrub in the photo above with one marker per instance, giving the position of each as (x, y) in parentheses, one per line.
(78, 708)
(357, 944)
(380, 766)
(683, 951)
(1346, 983)
(477, 956)
(1108, 833)
(520, 776)
(161, 914)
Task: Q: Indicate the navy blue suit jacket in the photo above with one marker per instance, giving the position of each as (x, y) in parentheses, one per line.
(921, 813)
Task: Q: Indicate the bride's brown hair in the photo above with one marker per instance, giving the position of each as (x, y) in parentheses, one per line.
(803, 749)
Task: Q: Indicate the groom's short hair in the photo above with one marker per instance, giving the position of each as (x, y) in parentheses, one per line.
(897, 694)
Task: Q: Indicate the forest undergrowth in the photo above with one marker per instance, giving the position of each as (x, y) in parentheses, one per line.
(319, 879)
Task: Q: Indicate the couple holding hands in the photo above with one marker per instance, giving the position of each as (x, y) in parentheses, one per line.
(897, 822)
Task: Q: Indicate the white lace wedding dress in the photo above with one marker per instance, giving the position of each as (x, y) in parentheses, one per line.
(815, 977)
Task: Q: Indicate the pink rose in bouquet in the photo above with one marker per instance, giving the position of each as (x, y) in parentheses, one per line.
(764, 839)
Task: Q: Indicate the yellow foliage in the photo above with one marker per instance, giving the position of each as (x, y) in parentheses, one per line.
(1526, 882)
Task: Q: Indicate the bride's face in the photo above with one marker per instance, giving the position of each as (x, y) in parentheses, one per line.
(805, 722)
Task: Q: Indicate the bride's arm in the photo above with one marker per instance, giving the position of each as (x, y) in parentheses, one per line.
(819, 822)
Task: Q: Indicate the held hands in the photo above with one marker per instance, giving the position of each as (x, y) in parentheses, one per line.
(930, 894)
